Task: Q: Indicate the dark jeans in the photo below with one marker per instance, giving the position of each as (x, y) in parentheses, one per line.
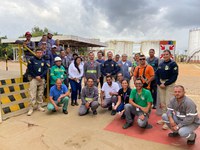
(153, 89)
(101, 81)
(75, 87)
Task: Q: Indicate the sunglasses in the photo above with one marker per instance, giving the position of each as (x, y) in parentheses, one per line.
(138, 84)
(142, 58)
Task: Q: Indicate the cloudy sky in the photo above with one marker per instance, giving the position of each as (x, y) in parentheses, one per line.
(105, 19)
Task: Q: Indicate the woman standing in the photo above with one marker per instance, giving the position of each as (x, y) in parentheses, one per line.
(123, 98)
(75, 77)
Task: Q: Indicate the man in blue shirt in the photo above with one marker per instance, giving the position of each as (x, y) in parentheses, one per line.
(59, 94)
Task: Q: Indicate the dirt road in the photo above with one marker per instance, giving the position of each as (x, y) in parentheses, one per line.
(47, 131)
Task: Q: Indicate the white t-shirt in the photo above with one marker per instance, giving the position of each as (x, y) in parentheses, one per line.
(107, 89)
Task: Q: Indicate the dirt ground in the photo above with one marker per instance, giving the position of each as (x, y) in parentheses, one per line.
(47, 131)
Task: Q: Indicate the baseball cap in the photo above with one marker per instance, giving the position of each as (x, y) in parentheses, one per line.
(28, 33)
(54, 46)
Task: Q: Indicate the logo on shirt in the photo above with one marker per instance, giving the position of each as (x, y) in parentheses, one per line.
(166, 67)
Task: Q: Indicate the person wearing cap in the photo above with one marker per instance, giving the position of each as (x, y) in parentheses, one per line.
(37, 69)
(30, 44)
(47, 55)
(92, 69)
(59, 94)
(57, 71)
(50, 41)
(53, 51)
(89, 98)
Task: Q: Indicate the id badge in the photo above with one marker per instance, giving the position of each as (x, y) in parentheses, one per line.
(137, 109)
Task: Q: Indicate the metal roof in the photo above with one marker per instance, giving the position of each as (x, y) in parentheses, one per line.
(72, 41)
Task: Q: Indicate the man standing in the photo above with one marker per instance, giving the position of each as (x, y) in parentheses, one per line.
(109, 93)
(47, 55)
(145, 72)
(30, 44)
(110, 67)
(59, 94)
(153, 61)
(126, 67)
(182, 117)
(92, 69)
(140, 101)
(37, 69)
(166, 76)
(89, 97)
(50, 41)
(101, 61)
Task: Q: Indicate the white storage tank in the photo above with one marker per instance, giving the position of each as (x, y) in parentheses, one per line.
(194, 44)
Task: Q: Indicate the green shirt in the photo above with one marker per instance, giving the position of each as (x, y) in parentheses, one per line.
(57, 72)
(141, 99)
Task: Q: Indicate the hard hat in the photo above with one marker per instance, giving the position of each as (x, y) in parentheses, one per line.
(57, 59)
(28, 33)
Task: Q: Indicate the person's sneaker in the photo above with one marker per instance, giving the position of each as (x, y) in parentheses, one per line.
(94, 112)
(113, 112)
(147, 126)
(110, 108)
(76, 103)
(173, 134)
(192, 142)
(53, 110)
(160, 122)
(65, 112)
(72, 103)
(30, 112)
(165, 127)
(40, 109)
(123, 116)
(127, 125)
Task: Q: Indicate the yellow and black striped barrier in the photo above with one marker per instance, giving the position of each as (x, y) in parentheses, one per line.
(9, 81)
(14, 98)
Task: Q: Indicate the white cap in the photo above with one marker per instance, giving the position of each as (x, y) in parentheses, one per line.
(50, 32)
(54, 46)
(57, 59)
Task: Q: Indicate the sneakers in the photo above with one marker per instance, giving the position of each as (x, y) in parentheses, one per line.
(30, 112)
(65, 112)
(127, 125)
(72, 103)
(173, 134)
(113, 112)
(192, 142)
(165, 127)
(40, 109)
(94, 112)
(160, 122)
(76, 103)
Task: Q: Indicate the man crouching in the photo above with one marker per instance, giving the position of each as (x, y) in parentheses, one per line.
(89, 97)
(59, 94)
(182, 117)
(140, 101)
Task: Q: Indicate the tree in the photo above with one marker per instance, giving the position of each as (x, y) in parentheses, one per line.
(37, 31)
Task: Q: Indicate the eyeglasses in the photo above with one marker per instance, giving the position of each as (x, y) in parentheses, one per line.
(138, 83)
(142, 58)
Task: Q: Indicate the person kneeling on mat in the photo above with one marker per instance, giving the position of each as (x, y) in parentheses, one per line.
(140, 102)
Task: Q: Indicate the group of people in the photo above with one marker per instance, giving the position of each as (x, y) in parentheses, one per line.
(151, 79)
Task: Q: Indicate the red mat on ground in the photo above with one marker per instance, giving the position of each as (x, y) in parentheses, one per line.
(155, 134)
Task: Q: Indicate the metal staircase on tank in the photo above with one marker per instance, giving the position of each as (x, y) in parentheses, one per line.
(14, 98)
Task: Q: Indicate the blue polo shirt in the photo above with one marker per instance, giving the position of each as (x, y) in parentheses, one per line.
(55, 93)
